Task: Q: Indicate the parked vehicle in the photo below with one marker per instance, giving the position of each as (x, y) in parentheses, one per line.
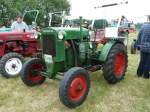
(17, 45)
(133, 48)
(72, 52)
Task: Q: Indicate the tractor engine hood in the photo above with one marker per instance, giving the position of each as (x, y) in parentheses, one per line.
(69, 33)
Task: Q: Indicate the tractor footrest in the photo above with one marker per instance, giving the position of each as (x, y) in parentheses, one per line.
(94, 68)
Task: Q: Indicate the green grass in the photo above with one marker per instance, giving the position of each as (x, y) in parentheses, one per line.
(130, 95)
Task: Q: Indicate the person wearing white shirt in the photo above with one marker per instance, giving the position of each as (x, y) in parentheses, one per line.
(19, 24)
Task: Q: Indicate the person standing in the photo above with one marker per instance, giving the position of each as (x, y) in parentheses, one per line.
(143, 44)
(124, 20)
(19, 24)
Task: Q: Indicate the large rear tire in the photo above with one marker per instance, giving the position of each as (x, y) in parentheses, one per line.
(74, 87)
(30, 73)
(116, 64)
(11, 65)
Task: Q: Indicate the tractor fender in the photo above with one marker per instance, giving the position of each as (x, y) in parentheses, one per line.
(105, 50)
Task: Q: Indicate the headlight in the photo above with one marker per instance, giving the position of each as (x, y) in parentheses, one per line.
(91, 33)
(61, 34)
(36, 36)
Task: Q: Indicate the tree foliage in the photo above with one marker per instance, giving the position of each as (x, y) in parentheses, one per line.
(10, 8)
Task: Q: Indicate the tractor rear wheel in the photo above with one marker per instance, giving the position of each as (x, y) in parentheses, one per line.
(116, 64)
(11, 65)
(74, 87)
(30, 73)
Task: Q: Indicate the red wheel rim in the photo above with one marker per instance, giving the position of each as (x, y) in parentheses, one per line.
(119, 64)
(35, 78)
(77, 88)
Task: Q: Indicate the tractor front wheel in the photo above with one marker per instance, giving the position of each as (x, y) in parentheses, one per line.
(74, 87)
(30, 73)
(116, 64)
(11, 65)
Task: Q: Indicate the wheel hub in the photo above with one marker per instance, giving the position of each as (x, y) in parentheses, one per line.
(34, 73)
(13, 66)
(77, 88)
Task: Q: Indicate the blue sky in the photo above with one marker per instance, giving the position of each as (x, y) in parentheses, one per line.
(135, 10)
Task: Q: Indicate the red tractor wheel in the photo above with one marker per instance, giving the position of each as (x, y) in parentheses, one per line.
(74, 87)
(119, 64)
(116, 64)
(30, 73)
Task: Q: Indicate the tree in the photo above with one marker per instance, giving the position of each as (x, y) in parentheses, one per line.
(10, 8)
(3, 12)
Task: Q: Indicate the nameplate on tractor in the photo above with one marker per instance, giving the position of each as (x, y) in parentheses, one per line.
(48, 58)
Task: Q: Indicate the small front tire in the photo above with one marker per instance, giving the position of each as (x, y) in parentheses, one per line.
(30, 73)
(74, 87)
(11, 65)
(133, 49)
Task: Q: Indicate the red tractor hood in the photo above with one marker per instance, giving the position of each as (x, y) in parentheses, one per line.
(24, 36)
(14, 33)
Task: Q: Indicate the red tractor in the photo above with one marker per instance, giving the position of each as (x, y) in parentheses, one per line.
(17, 45)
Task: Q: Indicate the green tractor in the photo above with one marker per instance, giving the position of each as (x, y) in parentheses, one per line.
(71, 53)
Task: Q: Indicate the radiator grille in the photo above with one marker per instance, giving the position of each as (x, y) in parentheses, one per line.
(48, 45)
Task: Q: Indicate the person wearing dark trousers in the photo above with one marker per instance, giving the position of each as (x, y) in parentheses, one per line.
(143, 68)
(143, 44)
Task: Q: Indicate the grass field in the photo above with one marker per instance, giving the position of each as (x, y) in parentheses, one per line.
(130, 95)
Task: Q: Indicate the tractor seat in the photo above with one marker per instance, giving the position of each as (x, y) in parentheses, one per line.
(98, 36)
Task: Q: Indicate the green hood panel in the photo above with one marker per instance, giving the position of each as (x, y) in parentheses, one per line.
(70, 33)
